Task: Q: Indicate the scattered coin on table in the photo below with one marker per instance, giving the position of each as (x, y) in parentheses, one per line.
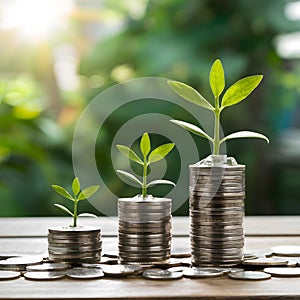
(177, 252)
(48, 267)
(44, 275)
(85, 273)
(160, 274)
(283, 272)
(267, 261)
(249, 275)
(122, 270)
(197, 272)
(178, 269)
(19, 263)
(6, 275)
(289, 250)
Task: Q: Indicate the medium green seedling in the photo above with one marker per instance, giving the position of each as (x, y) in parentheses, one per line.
(78, 195)
(233, 95)
(148, 157)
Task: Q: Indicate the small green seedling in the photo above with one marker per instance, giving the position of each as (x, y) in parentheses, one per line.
(233, 95)
(78, 195)
(148, 158)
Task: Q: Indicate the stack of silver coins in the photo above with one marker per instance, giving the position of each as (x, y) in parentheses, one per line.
(75, 244)
(144, 230)
(217, 194)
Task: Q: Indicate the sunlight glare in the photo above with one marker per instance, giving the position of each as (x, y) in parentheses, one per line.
(35, 19)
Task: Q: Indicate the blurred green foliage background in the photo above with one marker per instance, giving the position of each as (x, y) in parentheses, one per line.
(56, 56)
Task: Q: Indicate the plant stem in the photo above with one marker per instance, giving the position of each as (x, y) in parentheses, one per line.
(75, 213)
(144, 187)
(216, 143)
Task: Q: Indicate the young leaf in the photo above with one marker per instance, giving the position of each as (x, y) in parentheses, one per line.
(64, 209)
(160, 152)
(60, 190)
(130, 154)
(217, 78)
(192, 128)
(244, 134)
(87, 215)
(145, 144)
(189, 94)
(88, 192)
(240, 90)
(76, 186)
(130, 176)
(161, 181)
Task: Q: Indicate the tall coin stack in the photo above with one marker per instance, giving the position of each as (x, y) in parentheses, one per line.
(75, 244)
(144, 230)
(217, 194)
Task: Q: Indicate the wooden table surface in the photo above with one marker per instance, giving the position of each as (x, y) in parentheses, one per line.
(29, 235)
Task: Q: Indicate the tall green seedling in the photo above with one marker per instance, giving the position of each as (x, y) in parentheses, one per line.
(233, 95)
(147, 158)
(78, 195)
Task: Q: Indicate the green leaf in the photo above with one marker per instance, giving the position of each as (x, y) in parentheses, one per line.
(63, 208)
(130, 176)
(244, 134)
(217, 78)
(130, 154)
(87, 215)
(61, 191)
(160, 181)
(240, 90)
(189, 94)
(145, 144)
(192, 128)
(88, 192)
(160, 152)
(76, 186)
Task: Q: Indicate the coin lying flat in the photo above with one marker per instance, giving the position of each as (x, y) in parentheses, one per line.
(160, 274)
(48, 267)
(178, 269)
(122, 270)
(19, 263)
(202, 272)
(249, 275)
(44, 275)
(6, 275)
(283, 272)
(265, 261)
(289, 250)
(85, 273)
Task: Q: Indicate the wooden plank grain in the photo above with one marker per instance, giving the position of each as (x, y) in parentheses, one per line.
(254, 226)
(113, 288)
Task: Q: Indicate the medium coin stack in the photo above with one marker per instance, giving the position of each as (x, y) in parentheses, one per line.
(144, 230)
(217, 193)
(75, 244)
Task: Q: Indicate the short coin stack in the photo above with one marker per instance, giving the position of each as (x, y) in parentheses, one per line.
(217, 193)
(144, 230)
(75, 244)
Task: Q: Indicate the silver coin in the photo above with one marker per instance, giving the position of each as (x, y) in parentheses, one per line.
(19, 263)
(283, 272)
(249, 275)
(146, 236)
(159, 274)
(74, 230)
(202, 272)
(289, 250)
(178, 252)
(44, 275)
(265, 262)
(6, 275)
(85, 273)
(178, 269)
(122, 270)
(48, 267)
